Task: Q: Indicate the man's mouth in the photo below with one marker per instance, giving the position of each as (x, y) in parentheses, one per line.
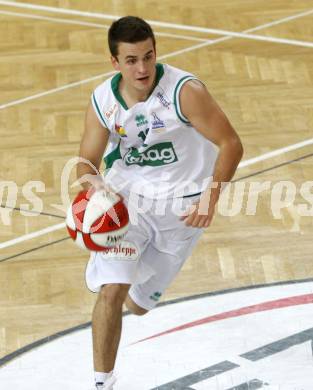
(143, 78)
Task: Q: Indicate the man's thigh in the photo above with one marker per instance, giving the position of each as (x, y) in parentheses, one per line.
(117, 264)
(163, 265)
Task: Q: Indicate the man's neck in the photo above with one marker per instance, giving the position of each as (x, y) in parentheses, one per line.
(132, 94)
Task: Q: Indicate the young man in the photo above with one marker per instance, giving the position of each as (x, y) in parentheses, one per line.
(166, 138)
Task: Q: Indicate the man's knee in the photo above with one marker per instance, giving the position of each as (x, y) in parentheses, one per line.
(134, 308)
(114, 294)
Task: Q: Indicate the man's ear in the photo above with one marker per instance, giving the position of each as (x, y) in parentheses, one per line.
(115, 63)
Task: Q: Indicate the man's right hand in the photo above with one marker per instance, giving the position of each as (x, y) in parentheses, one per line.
(93, 181)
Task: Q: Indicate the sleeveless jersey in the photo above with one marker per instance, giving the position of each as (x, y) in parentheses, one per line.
(153, 149)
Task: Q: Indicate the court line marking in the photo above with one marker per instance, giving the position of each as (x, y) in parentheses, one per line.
(102, 75)
(99, 76)
(273, 167)
(215, 31)
(15, 354)
(275, 153)
(54, 90)
(33, 249)
(243, 164)
(59, 10)
(29, 236)
(96, 15)
(186, 37)
(34, 212)
(191, 48)
(292, 301)
(50, 19)
(89, 24)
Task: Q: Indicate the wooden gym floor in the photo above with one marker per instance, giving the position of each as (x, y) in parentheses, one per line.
(50, 63)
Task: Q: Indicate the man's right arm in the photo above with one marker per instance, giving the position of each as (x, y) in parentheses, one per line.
(92, 147)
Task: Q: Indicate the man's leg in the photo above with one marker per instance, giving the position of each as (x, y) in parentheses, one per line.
(107, 325)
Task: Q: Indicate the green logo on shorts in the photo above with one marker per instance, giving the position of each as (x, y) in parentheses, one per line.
(155, 156)
(156, 296)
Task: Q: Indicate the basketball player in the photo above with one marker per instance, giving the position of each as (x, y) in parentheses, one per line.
(163, 136)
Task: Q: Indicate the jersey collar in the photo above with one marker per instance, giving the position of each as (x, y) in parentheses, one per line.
(117, 78)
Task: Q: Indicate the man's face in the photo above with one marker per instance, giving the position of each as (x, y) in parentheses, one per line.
(136, 62)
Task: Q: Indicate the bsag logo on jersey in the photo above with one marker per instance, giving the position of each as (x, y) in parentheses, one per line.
(156, 155)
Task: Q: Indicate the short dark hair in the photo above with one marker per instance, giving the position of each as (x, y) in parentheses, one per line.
(130, 29)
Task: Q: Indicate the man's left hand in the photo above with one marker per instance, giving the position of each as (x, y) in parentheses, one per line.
(197, 217)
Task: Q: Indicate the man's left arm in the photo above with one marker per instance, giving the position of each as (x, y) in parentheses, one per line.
(207, 118)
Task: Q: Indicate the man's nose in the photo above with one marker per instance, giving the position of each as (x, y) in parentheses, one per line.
(142, 67)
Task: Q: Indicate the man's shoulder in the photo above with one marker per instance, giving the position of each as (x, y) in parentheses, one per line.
(173, 70)
(105, 85)
(173, 75)
(104, 101)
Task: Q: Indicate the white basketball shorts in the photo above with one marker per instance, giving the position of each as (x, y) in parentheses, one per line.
(152, 252)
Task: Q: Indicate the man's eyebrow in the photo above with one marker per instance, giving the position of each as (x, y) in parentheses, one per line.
(130, 56)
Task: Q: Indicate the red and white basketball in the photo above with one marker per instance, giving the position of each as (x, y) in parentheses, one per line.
(97, 220)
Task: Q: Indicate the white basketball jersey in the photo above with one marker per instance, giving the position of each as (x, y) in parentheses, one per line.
(153, 149)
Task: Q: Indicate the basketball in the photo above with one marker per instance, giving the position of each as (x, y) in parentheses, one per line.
(97, 220)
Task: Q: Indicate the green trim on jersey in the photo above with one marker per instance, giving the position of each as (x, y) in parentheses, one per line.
(176, 97)
(98, 110)
(117, 78)
(114, 85)
(112, 156)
